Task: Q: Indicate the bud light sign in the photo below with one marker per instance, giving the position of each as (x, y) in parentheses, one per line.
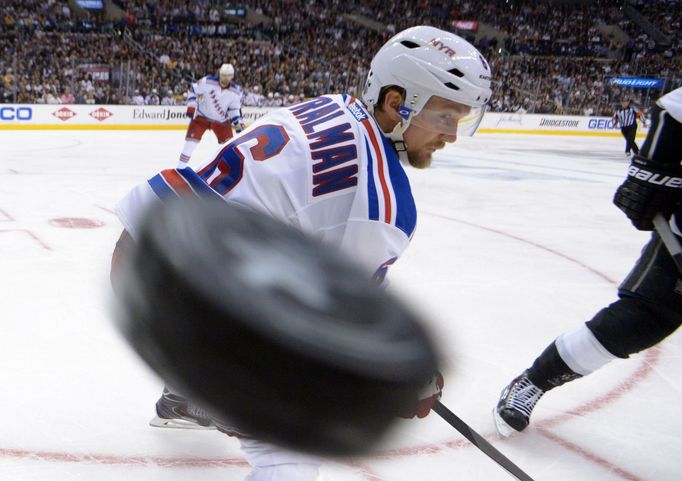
(637, 82)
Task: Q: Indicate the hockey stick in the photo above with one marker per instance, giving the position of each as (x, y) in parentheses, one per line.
(478, 441)
(669, 239)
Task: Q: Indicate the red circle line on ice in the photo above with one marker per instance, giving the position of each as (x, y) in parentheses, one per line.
(76, 223)
(648, 361)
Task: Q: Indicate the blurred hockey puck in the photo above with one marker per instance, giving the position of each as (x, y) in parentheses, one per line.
(268, 329)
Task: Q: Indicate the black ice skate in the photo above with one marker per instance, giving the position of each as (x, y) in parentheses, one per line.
(516, 403)
(174, 411)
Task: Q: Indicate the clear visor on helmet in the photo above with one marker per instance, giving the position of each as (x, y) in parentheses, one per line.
(447, 117)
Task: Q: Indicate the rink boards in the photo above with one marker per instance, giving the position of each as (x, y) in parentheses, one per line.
(149, 117)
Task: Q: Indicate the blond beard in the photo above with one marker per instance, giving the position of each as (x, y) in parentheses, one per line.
(417, 161)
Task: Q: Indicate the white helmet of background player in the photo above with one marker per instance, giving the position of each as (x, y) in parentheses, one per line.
(225, 74)
(428, 62)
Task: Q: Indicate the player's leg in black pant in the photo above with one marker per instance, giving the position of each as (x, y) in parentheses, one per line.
(632, 134)
(624, 131)
(649, 309)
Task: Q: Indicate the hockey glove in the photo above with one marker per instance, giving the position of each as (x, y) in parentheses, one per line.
(649, 188)
(190, 112)
(238, 126)
(431, 393)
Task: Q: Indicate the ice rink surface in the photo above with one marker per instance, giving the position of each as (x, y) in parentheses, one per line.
(517, 242)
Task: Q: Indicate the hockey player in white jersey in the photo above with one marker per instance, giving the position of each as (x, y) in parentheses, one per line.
(213, 103)
(332, 167)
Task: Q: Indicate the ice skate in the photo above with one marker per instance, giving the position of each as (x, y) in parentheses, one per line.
(173, 411)
(516, 404)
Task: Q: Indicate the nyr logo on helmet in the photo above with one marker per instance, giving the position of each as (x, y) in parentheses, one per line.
(357, 112)
(442, 47)
(404, 112)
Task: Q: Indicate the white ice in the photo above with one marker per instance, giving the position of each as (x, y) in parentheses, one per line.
(517, 242)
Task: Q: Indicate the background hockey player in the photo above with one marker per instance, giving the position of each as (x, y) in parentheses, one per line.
(331, 167)
(649, 307)
(213, 103)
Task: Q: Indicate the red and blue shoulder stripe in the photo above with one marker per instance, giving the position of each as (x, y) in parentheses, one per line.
(389, 194)
(172, 183)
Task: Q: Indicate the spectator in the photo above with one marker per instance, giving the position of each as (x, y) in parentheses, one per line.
(50, 98)
(67, 97)
(168, 98)
(152, 98)
(137, 98)
(253, 97)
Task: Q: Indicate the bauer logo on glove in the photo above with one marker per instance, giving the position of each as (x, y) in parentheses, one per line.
(655, 178)
(649, 188)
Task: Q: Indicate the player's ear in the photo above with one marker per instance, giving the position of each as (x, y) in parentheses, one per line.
(392, 102)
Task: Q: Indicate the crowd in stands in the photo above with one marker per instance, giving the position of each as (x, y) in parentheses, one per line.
(547, 57)
(665, 15)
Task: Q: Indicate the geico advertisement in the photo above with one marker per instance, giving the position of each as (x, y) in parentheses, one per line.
(10, 113)
(601, 124)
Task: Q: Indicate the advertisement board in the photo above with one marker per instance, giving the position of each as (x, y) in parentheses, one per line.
(103, 117)
(543, 124)
(637, 82)
(146, 117)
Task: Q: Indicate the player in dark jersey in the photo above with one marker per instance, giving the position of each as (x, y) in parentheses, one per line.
(649, 307)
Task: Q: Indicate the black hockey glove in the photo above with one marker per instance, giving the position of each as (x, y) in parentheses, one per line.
(649, 188)
(431, 392)
(238, 125)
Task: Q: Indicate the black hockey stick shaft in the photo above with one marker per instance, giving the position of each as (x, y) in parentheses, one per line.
(669, 239)
(478, 441)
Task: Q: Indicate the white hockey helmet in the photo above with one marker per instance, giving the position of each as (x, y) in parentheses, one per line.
(428, 62)
(227, 69)
(226, 73)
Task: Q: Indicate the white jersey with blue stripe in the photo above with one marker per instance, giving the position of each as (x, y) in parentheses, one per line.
(323, 166)
(214, 102)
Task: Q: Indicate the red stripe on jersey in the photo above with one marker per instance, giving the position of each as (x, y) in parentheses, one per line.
(380, 168)
(177, 183)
